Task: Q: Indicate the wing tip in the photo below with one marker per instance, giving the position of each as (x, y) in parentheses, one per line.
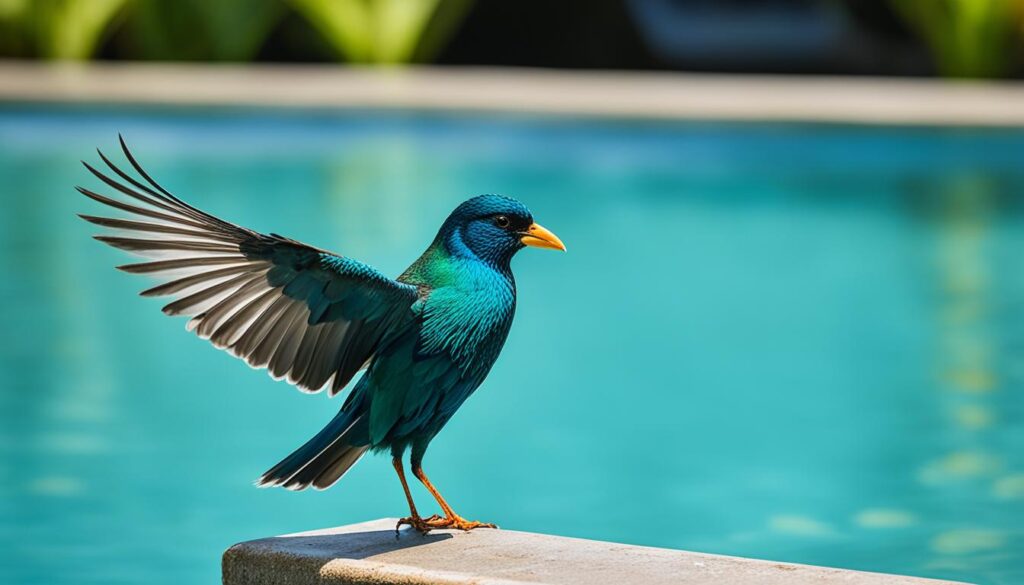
(93, 219)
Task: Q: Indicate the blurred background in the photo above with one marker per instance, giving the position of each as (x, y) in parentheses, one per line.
(811, 348)
(953, 38)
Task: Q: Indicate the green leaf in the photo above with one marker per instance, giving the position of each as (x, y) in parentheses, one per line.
(967, 38)
(70, 29)
(384, 31)
(186, 30)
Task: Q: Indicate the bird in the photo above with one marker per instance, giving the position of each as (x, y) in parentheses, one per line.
(424, 341)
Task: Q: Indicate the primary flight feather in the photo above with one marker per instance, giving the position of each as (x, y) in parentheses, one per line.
(426, 339)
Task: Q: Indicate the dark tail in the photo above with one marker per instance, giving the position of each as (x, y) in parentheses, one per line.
(324, 458)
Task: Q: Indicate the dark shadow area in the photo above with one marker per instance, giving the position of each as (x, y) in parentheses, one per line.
(354, 545)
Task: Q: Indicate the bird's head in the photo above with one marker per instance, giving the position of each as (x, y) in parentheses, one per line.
(493, 228)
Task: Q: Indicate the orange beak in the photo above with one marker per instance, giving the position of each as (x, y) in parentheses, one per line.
(540, 237)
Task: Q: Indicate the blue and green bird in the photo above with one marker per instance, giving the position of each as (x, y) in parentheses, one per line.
(426, 340)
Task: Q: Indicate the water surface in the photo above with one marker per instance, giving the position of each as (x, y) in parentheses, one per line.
(794, 342)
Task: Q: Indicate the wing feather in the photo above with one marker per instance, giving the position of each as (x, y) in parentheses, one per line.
(178, 266)
(305, 314)
(210, 320)
(231, 330)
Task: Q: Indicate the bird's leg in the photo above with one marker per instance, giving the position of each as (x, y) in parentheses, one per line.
(414, 519)
(451, 519)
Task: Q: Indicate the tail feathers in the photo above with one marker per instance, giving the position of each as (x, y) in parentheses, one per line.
(323, 460)
(341, 463)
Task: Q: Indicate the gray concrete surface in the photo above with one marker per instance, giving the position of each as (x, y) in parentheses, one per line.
(655, 95)
(370, 553)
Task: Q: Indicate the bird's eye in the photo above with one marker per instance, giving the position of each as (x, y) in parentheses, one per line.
(501, 221)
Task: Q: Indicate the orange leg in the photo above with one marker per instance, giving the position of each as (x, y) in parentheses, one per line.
(451, 519)
(414, 519)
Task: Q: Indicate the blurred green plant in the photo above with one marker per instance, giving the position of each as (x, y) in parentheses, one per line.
(56, 29)
(384, 31)
(968, 38)
(190, 30)
(361, 31)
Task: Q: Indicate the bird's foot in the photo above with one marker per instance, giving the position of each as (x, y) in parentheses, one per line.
(425, 525)
(459, 523)
(421, 524)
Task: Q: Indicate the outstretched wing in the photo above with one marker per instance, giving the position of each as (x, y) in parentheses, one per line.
(308, 315)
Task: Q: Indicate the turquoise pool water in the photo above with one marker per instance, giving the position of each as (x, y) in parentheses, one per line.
(795, 342)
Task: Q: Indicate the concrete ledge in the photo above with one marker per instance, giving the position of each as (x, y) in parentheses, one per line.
(370, 553)
(650, 95)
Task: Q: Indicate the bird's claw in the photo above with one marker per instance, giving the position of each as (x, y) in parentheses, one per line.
(460, 523)
(420, 524)
(425, 525)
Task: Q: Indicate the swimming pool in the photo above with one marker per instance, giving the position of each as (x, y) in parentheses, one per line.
(795, 342)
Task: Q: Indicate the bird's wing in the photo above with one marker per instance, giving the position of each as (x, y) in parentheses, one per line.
(308, 315)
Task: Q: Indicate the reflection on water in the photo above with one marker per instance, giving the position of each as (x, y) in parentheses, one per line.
(801, 343)
(970, 345)
(884, 518)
